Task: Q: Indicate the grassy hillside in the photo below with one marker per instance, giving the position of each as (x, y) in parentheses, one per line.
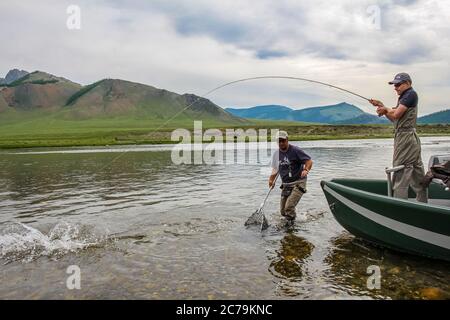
(117, 98)
(104, 99)
(49, 128)
(38, 90)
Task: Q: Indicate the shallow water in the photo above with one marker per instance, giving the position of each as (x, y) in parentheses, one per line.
(139, 226)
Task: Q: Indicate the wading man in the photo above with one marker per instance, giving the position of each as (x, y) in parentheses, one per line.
(407, 149)
(293, 165)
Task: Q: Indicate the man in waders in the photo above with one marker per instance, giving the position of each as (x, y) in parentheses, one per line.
(293, 165)
(407, 150)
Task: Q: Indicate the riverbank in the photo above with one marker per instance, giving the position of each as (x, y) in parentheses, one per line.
(128, 136)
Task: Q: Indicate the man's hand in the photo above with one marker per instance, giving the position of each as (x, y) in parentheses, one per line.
(304, 173)
(271, 183)
(381, 111)
(376, 103)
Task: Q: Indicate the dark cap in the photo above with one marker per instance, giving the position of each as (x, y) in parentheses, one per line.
(401, 77)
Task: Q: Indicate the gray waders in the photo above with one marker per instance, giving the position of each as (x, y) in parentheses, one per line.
(407, 152)
(290, 196)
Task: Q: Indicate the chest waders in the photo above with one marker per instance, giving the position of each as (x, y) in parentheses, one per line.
(407, 152)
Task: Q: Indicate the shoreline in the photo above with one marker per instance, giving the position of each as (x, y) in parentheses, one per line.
(28, 144)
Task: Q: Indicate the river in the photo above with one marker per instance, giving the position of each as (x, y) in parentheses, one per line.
(139, 226)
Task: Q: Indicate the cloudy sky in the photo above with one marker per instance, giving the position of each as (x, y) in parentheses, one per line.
(194, 46)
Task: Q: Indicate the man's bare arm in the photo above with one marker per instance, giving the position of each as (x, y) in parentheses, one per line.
(395, 113)
(390, 113)
(308, 164)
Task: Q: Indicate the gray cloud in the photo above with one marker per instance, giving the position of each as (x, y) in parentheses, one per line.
(191, 46)
(220, 29)
(267, 54)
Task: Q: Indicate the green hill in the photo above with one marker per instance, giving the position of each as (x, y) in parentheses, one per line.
(114, 97)
(42, 109)
(107, 98)
(435, 118)
(38, 90)
(341, 113)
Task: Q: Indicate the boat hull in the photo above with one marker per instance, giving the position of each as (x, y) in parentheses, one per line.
(363, 208)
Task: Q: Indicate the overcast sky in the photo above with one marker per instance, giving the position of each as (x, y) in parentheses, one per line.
(194, 46)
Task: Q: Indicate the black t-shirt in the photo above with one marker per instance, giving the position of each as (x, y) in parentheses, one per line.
(290, 163)
(408, 98)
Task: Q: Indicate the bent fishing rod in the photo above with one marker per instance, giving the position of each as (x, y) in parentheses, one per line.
(260, 78)
(244, 80)
(290, 78)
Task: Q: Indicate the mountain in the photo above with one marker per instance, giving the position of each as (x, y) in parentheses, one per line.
(327, 114)
(365, 118)
(38, 90)
(338, 113)
(3, 104)
(435, 118)
(13, 75)
(274, 112)
(113, 97)
(107, 98)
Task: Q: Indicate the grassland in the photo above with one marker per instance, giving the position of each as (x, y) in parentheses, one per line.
(19, 130)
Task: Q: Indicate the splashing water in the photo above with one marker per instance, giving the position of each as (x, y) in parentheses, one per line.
(20, 242)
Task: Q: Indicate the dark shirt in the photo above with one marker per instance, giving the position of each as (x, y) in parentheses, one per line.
(290, 163)
(408, 98)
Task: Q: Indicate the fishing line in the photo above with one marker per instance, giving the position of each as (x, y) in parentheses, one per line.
(238, 81)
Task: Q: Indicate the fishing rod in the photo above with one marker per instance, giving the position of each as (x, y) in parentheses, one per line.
(259, 78)
(237, 81)
(290, 78)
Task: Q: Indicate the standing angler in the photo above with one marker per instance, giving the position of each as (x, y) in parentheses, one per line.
(407, 149)
(293, 165)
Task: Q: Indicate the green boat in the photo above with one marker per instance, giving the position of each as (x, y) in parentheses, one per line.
(366, 209)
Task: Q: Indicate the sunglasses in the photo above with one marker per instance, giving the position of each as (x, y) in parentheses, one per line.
(398, 84)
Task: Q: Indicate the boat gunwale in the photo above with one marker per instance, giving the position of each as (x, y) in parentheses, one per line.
(391, 200)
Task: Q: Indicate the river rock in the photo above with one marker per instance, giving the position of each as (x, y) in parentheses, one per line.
(432, 293)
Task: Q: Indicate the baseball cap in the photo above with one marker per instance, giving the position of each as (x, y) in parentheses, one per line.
(282, 134)
(400, 77)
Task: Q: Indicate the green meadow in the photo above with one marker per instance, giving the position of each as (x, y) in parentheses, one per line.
(34, 129)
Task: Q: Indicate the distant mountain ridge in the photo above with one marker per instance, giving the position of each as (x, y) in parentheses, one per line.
(341, 113)
(13, 75)
(38, 91)
(436, 117)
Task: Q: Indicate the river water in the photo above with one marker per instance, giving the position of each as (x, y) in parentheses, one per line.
(139, 226)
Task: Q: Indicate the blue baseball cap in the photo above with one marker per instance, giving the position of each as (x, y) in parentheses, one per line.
(400, 78)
